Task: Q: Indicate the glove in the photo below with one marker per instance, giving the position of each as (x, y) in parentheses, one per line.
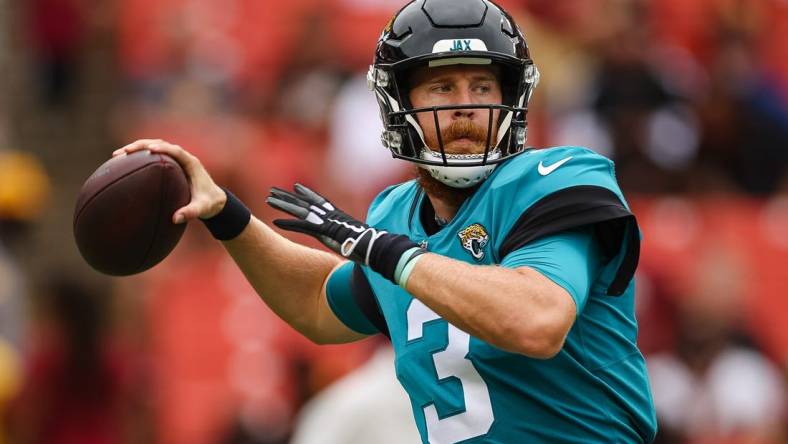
(383, 252)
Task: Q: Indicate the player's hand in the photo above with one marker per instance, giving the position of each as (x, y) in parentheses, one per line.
(318, 218)
(207, 200)
(340, 232)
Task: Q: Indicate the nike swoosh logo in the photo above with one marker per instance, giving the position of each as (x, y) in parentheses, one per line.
(545, 170)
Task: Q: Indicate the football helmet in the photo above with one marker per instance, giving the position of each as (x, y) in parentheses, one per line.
(436, 33)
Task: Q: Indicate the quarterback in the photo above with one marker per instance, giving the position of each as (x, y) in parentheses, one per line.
(502, 275)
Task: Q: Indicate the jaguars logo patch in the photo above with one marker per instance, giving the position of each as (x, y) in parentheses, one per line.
(474, 239)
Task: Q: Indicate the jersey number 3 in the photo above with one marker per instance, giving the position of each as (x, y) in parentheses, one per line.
(477, 418)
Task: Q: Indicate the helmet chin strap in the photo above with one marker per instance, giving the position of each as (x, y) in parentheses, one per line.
(459, 176)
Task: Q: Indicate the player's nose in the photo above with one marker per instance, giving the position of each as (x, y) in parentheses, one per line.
(463, 97)
(463, 114)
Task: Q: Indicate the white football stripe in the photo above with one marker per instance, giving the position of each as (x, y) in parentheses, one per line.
(347, 225)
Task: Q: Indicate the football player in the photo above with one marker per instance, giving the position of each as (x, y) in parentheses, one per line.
(503, 276)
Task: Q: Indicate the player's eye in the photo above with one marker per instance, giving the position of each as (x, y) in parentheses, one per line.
(441, 88)
(483, 88)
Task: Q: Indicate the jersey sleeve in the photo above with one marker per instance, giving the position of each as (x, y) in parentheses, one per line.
(339, 292)
(560, 189)
(571, 259)
(348, 291)
(353, 302)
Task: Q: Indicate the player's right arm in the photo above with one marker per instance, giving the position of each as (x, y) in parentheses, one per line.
(289, 277)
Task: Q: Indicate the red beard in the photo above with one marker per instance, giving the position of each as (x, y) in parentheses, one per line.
(451, 196)
(459, 129)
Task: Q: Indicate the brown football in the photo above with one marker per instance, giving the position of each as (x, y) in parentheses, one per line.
(123, 216)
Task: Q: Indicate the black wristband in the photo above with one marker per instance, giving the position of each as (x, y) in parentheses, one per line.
(231, 221)
(386, 253)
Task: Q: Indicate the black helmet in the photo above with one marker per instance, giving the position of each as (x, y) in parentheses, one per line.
(444, 32)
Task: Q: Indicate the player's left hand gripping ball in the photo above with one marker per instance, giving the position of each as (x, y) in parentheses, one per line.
(385, 253)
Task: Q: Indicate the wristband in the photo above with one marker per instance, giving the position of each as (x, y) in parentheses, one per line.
(408, 269)
(386, 253)
(403, 260)
(231, 221)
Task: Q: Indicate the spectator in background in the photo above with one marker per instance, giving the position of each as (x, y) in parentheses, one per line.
(355, 127)
(654, 136)
(12, 319)
(310, 78)
(79, 388)
(24, 194)
(367, 405)
(714, 387)
(744, 121)
(57, 28)
(633, 106)
(9, 382)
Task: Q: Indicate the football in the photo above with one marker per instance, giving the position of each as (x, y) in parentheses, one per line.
(123, 215)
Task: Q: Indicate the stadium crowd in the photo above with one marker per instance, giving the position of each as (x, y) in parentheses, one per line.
(688, 97)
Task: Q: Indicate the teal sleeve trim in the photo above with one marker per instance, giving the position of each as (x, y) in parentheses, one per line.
(339, 293)
(571, 259)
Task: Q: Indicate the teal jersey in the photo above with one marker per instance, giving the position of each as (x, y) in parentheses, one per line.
(561, 212)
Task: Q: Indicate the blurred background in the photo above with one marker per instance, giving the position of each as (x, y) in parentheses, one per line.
(689, 97)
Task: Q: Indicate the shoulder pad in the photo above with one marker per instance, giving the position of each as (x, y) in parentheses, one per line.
(542, 172)
(547, 191)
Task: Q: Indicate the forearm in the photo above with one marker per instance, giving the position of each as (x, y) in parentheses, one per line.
(518, 310)
(289, 277)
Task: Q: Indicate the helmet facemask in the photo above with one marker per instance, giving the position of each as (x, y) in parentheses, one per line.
(405, 138)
